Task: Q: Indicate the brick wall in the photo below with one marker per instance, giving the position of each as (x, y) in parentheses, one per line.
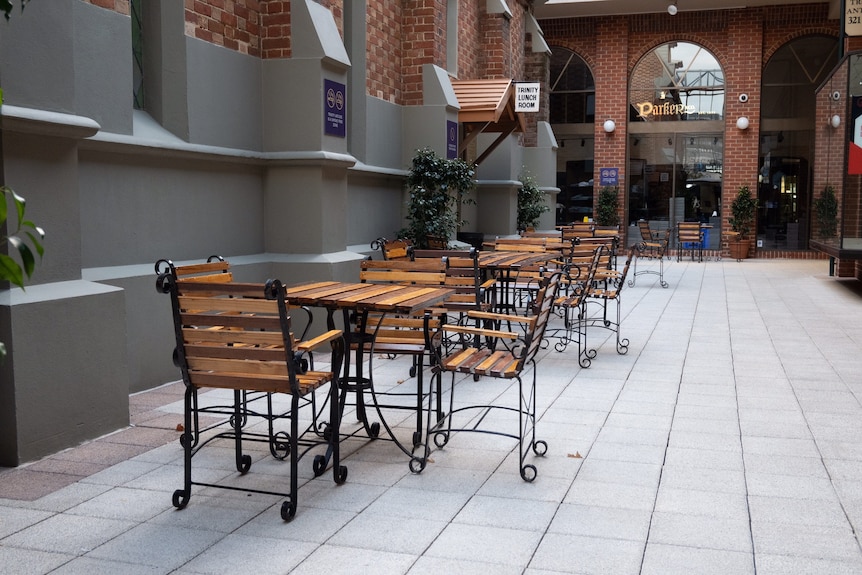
(611, 79)
(423, 41)
(742, 40)
(384, 50)
(470, 40)
(233, 24)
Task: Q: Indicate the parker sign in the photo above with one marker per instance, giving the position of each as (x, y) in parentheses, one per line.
(527, 97)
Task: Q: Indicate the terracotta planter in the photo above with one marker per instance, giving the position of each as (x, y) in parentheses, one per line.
(739, 248)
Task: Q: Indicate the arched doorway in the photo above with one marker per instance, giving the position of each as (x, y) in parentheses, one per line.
(572, 97)
(789, 81)
(676, 139)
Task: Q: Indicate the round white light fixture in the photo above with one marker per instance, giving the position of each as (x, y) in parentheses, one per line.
(835, 121)
(609, 126)
(742, 123)
(671, 9)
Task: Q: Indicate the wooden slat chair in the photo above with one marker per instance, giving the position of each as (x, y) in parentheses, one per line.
(578, 230)
(520, 244)
(647, 235)
(464, 276)
(393, 335)
(488, 357)
(655, 248)
(392, 249)
(608, 291)
(689, 237)
(575, 287)
(216, 270)
(238, 337)
(526, 282)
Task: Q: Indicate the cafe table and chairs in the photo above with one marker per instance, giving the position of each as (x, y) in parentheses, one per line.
(357, 303)
(507, 266)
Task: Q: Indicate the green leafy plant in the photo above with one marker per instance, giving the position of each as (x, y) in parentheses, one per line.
(25, 235)
(742, 209)
(606, 207)
(437, 188)
(6, 7)
(826, 212)
(531, 202)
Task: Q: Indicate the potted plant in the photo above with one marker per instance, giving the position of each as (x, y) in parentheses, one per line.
(742, 211)
(531, 203)
(607, 207)
(437, 187)
(826, 212)
(25, 230)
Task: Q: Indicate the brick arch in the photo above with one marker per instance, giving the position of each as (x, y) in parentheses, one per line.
(769, 52)
(578, 51)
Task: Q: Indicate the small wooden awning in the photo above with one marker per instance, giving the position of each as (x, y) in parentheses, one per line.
(487, 106)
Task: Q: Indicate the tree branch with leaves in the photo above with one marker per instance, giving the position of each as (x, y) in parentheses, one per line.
(25, 239)
(6, 6)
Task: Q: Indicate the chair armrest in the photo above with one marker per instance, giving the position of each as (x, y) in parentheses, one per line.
(316, 342)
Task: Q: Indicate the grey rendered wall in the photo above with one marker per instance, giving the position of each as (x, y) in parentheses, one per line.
(141, 208)
(224, 95)
(103, 78)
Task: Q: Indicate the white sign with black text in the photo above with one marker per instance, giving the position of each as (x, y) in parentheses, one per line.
(527, 97)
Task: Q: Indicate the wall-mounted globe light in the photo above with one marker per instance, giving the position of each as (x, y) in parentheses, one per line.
(609, 126)
(835, 121)
(742, 123)
(671, 9)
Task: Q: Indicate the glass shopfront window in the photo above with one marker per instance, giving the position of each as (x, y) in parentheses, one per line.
(676, 143)
(790, 79)
(572, 113)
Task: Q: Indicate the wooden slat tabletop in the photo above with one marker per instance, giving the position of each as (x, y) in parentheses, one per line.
(368, 296)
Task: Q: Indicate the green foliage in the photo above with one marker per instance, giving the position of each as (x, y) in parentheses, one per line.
(531, 203)
(607, 206)
(742, 209)
(826, 211)
(6, 7)
(26, 233)
(437, 188)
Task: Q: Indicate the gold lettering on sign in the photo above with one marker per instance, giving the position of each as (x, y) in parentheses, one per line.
(647, 109)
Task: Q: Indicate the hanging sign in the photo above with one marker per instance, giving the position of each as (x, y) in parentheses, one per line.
(853, 17)
(527, 96)
(334, 108)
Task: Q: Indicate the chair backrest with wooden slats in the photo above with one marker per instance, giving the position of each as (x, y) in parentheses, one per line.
(403, 335)
(520, 244)
(214, 270)
(427, 271)
(689, 232)
(463, 275)
(236, 336)
(543, 305)
(569, 234)
(392, 249)
(646, 232)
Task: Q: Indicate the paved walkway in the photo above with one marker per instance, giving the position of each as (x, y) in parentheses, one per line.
(727, 441)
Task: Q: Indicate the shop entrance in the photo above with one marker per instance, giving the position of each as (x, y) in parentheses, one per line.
(676, 178)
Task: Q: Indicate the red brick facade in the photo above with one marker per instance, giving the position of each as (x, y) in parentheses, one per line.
(742, 41)
(402, 36)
